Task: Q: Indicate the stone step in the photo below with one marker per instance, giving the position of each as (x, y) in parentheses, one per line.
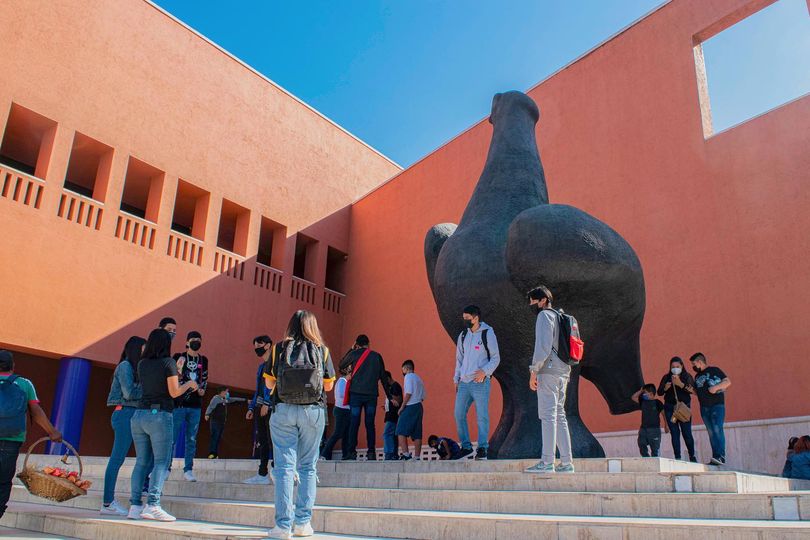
(666, 505)
(633, 464)
(415, 524)
(19, 534)
(59, 521)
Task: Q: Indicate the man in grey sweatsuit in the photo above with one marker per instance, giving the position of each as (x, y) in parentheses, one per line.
(549, 378)
(477, 357)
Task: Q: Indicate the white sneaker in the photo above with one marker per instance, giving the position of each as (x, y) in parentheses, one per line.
(135, 511)
(303, 530)
(278, 532)
(156, 513)
(189, 475)
(258, 480)
(114, 509)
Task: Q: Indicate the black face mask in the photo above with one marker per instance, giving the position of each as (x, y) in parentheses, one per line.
(260, 351)
(171, 335)
(468, 323)
(536, 309)
(195, 345)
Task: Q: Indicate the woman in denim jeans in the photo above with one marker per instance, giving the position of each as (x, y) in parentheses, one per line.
(152, 424)
(296, 429)
(125, 393)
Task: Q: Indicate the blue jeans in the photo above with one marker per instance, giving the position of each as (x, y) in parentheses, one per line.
(296, 431)
(467, 394)
(121, 444)
(358, 405)
(714, 417)
(390, 440)
(152, 434)
(191, 417)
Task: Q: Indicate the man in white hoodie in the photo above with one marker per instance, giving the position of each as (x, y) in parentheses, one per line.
(477, 357)
(549, 378)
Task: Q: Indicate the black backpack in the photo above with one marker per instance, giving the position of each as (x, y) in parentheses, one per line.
(570, 346)
(483, 340)
(13, 406)
(299, 372)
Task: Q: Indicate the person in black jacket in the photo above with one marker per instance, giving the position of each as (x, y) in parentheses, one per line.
(367, 373)
(393, 399)
(678, 381)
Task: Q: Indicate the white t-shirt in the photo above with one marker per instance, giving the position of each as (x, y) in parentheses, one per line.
(340, 392)
(415, 387)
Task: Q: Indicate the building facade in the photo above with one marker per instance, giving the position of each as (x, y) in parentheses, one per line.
(146, 173)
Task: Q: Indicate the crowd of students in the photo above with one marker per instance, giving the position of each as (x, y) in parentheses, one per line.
(155, 395)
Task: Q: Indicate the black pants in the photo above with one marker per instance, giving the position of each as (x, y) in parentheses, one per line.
(343, 419)
(216, 435)
(676, 429)
(9, 451)
(263, 442)
(367, 406)
(649, 441)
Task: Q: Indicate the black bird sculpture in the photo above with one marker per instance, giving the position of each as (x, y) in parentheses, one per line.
(510, 240)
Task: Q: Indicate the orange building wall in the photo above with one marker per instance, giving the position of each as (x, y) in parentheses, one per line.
(129, 76)
(720, 224)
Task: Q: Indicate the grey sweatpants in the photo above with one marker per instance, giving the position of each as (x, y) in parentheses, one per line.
(551, 410)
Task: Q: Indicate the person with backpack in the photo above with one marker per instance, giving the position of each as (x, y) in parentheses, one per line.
(18, 398)
(367, 374)
(152, 425)
(477, 357)
(191, 366)
(261, 400)
(298, 374)
(393, 399)
(711, 384)
(125, 393)
(677, 387)
(549, 376)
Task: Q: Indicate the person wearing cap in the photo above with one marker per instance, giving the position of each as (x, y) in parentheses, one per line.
(191, 366)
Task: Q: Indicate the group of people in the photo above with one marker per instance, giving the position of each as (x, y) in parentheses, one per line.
(677, 386)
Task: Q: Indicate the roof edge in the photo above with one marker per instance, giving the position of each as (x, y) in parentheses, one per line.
(253, 70)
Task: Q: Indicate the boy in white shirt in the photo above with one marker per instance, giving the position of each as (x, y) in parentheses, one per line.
(409, 424)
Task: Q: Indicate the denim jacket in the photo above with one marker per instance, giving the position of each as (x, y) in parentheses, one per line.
(799, 466)
(261, 395)
(124, 390)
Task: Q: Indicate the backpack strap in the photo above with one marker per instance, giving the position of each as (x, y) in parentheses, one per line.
(11, 378)
(484, 341)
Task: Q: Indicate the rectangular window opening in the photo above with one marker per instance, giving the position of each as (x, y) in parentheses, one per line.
(234, 222)
(271, 243)
(190, 210)
(143, 186)
(27, 141)
(303, 266)
(752, 63)
(336, 270)
(88, 170)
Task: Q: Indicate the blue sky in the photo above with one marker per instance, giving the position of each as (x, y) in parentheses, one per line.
(407, 75)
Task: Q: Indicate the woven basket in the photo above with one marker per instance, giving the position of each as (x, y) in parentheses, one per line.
(48, 486)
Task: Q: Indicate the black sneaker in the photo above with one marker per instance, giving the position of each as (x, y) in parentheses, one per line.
(693, 459)
(481, 454)
(717, 461)
(405, 457)
(349, 457)
(372, 456)
(464, 453)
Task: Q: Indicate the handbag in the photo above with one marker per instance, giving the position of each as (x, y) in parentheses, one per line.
(682, 413)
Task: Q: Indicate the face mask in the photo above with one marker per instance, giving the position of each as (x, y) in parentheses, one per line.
(697, 369)
(645, 397)
(468, 323)
(676, 370)
(172, 334)
(195, 345)
(260, 351)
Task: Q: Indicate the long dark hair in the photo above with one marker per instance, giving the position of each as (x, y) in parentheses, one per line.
(303, 326)
(132, 353)
(158, 345)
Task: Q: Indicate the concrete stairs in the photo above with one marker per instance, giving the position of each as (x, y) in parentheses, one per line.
(605, 498)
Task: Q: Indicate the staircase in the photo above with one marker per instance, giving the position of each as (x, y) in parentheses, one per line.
(623, 498)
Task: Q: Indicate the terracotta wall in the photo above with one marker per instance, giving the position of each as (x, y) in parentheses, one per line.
(720, 224)
(75, 280)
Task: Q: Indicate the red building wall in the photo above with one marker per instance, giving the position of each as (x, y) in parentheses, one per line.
(720, 224)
